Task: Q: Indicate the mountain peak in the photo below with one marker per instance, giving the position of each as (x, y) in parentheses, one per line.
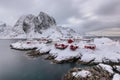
(46, 18)
(28, 23)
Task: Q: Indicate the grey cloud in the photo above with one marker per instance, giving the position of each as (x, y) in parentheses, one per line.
(16, 4)
(107, 13)
(109, 8)
(62, 10)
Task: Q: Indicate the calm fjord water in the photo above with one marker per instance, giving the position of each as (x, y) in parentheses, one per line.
(16, 65)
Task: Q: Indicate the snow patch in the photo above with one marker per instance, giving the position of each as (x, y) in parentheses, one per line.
(116, 77)
(83, 73)
(106, 67)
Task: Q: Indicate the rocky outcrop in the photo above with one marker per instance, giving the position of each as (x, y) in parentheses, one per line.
(97, 73)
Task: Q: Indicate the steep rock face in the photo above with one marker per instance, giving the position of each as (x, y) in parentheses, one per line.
(5, 30)
(43, 21)
(28, 23)
(31, 23)
(24, 24)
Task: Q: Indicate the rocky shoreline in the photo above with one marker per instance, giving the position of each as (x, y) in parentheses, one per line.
(95, 73)
(107, 52)
(35, 53)
(21, 49)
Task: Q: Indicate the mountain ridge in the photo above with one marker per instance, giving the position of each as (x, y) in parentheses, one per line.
(31, 26)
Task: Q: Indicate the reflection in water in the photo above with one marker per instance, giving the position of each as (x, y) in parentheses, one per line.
(14, 65)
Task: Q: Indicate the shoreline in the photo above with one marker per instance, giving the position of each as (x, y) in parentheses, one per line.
(107, 53)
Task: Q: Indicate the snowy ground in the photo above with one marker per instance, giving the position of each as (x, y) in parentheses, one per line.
(106, 51)
(25, 45)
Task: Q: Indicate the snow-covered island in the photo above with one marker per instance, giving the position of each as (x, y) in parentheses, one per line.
(98, 50)
(60, 44)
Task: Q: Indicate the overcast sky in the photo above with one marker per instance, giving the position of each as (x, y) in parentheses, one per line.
(86, 14)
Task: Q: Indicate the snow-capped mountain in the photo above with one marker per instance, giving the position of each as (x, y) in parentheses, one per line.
(66, 31)
(5, 30)
(31, 26)
(2, 26)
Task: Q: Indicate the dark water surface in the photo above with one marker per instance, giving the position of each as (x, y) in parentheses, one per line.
(16, 65)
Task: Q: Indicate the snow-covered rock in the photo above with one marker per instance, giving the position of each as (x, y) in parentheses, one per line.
(89, 73)
(116, 77)
(106, 51)
(106, 67)
(66, 54)
(25, 45)
(44, 48)
(83, 73)
(117, 68)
